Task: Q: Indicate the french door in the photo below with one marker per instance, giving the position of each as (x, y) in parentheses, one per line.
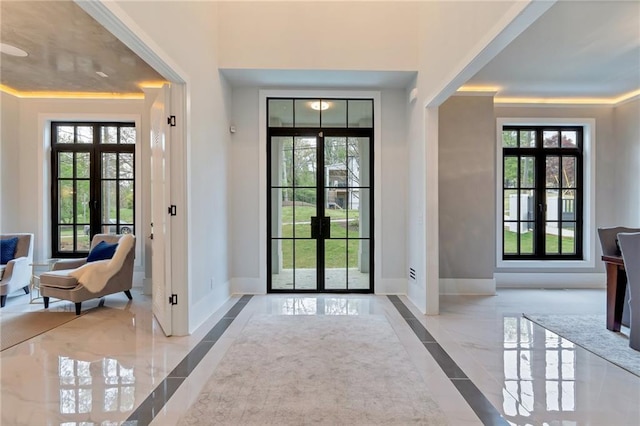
(320, 210)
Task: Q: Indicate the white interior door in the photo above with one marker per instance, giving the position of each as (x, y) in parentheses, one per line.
(160, 197)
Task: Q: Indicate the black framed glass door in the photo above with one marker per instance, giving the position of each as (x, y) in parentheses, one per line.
(320, 210)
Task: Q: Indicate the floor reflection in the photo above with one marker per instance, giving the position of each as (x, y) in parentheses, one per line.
(325, 305)
(98, 387)
(539, 372)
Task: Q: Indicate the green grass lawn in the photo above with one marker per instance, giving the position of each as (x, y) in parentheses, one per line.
(303, 213)
(526, 243)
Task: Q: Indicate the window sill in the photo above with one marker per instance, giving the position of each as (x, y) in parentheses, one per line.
(545, 264)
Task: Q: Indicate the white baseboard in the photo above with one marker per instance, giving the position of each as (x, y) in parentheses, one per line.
(203, 308)
(248, 286)
(391, 286)
(468, 286)
(551, 280)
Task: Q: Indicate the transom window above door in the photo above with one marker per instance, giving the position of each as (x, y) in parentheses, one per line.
(321, 113)
(93, 183)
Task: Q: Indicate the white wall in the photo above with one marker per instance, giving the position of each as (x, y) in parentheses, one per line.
(245, 191)
(626, 122)
(9, 165)
(319, 35)
(443, 55)
(186, 33)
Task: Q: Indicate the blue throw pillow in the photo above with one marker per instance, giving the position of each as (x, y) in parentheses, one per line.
(8, 250)
(103, 250)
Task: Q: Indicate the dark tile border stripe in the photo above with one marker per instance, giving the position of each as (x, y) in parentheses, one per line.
(474, 397)
(153, 404)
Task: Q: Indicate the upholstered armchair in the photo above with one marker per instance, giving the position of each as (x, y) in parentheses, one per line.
(16, 273)
(630, 247)
(78, 280)
(608, 242)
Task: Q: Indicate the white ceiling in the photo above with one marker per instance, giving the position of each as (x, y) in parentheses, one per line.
(576, 49)
(585, 49)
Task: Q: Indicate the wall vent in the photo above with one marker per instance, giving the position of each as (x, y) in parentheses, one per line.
(412, 273)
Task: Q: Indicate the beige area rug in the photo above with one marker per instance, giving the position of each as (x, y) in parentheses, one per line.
(590, 332)
(18, 327)
(331, 370)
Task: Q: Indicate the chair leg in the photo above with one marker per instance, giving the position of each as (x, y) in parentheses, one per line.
(26, 289)
(46, 302)
(3, 300)
(78, 305)
(128, 293)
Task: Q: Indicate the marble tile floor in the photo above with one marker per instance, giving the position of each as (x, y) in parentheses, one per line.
(97, 369)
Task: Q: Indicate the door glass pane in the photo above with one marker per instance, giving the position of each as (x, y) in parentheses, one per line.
(282, 264)
(305, 162)
(553, 172)
(85, 134)
(109, 135)
(568, 172)
(125, 169)
(307, 112)
(527, 172)
(282, 161)
(550, 138)
(336, 113)
(359, 162)
(109, 165)
(527, 240)
(335, 162)
(126, 202)
(301, 212)
(280, 112)
(509, 138)
(527, 139)
(305, 258)
(281, 212)
(358, 264)
(569, 204)
(510, 238)
(82, 165)
(335, 258)
(569, 139)
(527, 205)
(64, 134)
(109, 202)
(65, 164)
(568, 238)
(83, 195)
(358, 211)
(551, 222)
(65, 201)
(360, 113)
(65, 238)
(82, 238)
(127, 135)
(511, 204)
(510, 172)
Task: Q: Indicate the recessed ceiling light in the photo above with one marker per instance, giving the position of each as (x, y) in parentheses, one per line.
(12, 50)
(101, 74)
(317, 105)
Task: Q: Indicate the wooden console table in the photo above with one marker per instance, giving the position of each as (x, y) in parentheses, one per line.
(616, 288)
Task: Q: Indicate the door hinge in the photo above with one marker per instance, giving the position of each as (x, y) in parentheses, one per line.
(172, 210)
(173, 299)
(171, 120)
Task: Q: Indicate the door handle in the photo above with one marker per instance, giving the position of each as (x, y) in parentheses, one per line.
(315, 229)
(325, 228)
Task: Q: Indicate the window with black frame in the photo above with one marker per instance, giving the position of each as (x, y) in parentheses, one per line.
(93, 183)
(542, 192)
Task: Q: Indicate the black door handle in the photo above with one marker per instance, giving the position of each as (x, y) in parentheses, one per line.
(315, 229)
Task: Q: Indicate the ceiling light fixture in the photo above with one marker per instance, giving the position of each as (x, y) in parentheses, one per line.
(12, 50)
(317, 105)
(101, 74)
